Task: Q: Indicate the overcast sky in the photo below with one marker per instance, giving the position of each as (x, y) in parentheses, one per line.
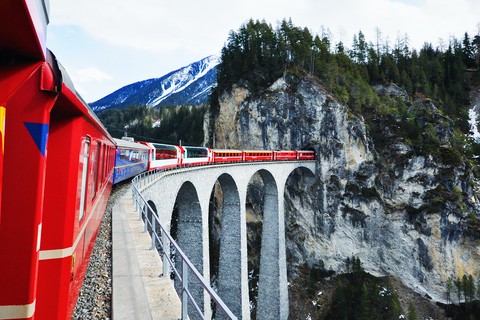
(107, 44)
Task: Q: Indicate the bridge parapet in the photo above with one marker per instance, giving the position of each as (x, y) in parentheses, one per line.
(188, 190)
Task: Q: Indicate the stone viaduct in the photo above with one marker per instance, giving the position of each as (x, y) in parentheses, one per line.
(190, 189)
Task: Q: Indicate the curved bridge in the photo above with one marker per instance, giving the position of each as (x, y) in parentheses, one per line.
(189, 191)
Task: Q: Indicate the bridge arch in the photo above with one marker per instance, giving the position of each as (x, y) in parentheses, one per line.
(186, 226)
(230, 257)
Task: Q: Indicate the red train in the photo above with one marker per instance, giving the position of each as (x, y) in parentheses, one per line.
(162, 156)
(56, 171)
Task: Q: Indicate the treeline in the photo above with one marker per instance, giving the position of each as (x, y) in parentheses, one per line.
(360, 296)
(168, 124)
(463, 288)
(257, 55)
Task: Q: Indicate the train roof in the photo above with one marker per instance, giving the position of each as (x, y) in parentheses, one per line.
(23, 25)
(226, 150)
(257, 150)
(189, 147)
(128, 144)
(163, 146)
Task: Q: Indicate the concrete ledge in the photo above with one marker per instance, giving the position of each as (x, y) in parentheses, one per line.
(138, 291)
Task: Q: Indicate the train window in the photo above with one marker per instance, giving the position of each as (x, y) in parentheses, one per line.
(95, 174)
(102, 175)
(83, 193)
(196, 152)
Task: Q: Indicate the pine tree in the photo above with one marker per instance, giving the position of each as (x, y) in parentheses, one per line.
(364, 309)
(465, 288)
(450, 288)
(468, 52)
(458, 285)
(412, 313)
(478, 287)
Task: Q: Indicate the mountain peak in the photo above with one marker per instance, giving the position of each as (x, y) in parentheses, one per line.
(188, 85)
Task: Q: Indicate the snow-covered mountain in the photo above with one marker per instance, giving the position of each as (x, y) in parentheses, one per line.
(188, 85)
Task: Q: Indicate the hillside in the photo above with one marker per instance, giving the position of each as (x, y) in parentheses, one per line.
(398, 176)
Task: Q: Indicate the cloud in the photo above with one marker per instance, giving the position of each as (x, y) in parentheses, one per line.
(89, 74)
(196, 26)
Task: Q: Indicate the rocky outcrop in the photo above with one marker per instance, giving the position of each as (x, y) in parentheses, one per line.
(391, 90)
(402, 214)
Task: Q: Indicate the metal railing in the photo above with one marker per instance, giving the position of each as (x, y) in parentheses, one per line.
(165, 241)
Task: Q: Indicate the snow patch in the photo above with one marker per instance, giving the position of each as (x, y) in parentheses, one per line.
(472, 114)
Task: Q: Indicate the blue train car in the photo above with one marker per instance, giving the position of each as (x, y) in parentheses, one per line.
(130, 159)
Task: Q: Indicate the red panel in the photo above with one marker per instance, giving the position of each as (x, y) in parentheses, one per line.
(53, 304)
(22, 185)
(285, 155)
(259, 156)
(306, 155)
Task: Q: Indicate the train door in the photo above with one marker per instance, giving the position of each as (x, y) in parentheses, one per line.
(83, 192)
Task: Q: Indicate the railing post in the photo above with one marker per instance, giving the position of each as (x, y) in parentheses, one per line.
(165, 254)
(184, 290)
(136, 202)
(145, 223)
(140, 212)
(154, 232)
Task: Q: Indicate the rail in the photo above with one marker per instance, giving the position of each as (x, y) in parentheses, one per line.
(166, 241)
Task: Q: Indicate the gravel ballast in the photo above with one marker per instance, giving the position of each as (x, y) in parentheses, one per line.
(94, 300)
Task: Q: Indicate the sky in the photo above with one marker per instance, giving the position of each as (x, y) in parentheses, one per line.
(107, 44)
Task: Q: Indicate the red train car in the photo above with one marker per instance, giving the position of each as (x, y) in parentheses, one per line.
(306, 155)
(193, 156)
(227, 155)
(285, 155)
(163, 155)
(258, 155)
(57, 172)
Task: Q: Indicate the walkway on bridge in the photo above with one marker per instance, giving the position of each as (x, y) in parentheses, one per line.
(138, 290)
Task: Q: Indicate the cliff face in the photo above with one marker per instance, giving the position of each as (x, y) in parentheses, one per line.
(403, 215)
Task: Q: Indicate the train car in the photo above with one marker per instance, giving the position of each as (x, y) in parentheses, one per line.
(196, 155)
(227, 155)
(57, 165)
(285, 155)
(258, 155)
(163, 155)
(306, 155)
(130, 159)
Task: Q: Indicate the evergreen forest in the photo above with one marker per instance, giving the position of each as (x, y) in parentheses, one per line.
(257, 55)
(168, 124)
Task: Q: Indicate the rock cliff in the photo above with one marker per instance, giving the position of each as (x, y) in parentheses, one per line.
(403, 214)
